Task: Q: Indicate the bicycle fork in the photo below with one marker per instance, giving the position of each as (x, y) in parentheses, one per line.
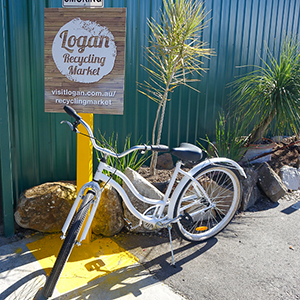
(97, 190)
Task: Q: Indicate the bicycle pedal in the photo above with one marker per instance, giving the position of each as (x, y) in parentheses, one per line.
(148, 226)
(128, 224)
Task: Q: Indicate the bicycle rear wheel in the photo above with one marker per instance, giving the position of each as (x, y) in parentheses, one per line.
(211, 206)
(66, 248)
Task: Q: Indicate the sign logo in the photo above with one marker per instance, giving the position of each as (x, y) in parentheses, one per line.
(84, 51)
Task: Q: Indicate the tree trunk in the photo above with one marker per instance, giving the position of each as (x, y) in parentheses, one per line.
(163, 105)
(155, 123)
(155, 154)
(258, 132)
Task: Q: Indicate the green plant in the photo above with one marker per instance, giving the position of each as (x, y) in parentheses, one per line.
(134, 160)
(271, 93)
(175, 53)
(229, 141)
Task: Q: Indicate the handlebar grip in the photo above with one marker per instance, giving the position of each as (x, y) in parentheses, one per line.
(160, 148)
(71, 112)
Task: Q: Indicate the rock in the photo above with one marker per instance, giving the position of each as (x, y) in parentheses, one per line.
(108, 219)
(250, 191)
(45, 207)
(270, 183)
(146, 189)
(161, 186)
(255, 150)
(165, 162)
(290, 177)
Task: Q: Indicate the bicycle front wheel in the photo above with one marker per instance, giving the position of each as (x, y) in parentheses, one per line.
(210, 203)
(66, 248)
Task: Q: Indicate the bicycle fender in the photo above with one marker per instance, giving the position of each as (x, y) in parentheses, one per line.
(221, 161)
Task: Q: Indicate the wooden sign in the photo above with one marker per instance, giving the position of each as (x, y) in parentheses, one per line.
(84, 59)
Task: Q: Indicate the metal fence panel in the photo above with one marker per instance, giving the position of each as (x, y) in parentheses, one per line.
(43, 150)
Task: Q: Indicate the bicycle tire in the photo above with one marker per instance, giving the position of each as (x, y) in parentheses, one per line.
(67, 247)
(207, 218)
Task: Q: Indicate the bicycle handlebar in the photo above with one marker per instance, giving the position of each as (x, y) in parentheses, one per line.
(78, 120)
(71, 112)
(159, 148)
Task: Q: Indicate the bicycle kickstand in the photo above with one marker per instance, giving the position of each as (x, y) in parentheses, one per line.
(172, 251)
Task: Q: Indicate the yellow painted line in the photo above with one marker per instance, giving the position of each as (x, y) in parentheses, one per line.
(86, 262)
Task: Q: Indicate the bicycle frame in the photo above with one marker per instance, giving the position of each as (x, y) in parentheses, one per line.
(157, 218)
(94, 185)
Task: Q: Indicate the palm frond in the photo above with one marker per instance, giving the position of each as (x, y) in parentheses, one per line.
(271, 90)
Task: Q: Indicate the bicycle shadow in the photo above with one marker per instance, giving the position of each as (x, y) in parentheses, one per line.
(137, 279)
(147, 248)
(161, 265)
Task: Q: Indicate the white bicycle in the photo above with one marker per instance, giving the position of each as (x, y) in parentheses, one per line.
(202, 204)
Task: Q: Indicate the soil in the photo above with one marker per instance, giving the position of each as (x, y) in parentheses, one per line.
(287, 153)
(160, 175)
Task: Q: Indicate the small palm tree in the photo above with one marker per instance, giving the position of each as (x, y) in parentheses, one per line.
(271, 92)
(175, 52)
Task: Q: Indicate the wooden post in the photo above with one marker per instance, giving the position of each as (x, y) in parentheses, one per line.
(84, 161)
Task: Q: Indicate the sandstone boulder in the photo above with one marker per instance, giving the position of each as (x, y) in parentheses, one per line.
(45, 207)
(108, 219)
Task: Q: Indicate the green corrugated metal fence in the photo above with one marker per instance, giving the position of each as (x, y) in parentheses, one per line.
(35, 148)
(5, 136)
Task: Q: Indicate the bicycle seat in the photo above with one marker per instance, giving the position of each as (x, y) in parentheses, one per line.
(187, 152)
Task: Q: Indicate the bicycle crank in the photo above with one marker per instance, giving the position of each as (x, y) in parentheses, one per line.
(186, 219)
